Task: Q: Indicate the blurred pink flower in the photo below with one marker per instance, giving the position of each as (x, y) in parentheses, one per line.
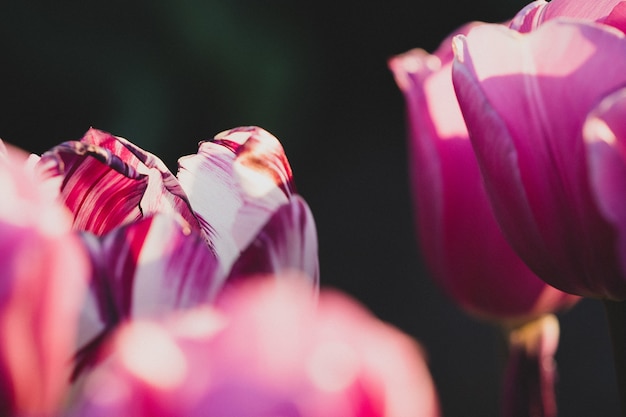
(160, 242)
(44, 273)
(268, 349)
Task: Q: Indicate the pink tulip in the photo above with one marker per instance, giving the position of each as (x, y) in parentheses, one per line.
(525, 99)
(44, 273)
(459, 236)
(159, 243)
(270, 349)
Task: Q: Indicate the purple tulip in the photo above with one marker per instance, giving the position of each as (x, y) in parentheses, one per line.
(544, 115)
(270, 348)
(159, 243)
(525, 103)
(44, 272)
(460, 238)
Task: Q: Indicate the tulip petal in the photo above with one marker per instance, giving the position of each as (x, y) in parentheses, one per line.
(286, 245)
(235, 183)
(524, 100)
(597, 11)
(526, 19)
(268, 351)
(605, 138)
(147, 268)
(43, 273)
(609, 12)
(459, 236)
(107, 182)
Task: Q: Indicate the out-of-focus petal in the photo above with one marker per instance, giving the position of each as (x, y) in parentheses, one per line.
(148, 268)
(235, 183)
(605, 138)
(287, 244)
(107, 182)
(268, 351)
(43, 270)
(525, 98)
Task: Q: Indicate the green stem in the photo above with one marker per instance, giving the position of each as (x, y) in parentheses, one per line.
(616, 315)
(529, 376)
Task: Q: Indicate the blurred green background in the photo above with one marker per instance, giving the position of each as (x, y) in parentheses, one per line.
(167, 74)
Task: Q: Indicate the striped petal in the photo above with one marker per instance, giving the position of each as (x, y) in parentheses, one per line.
(107, 182)
(286, 245)
(235, 183)
(147, 268)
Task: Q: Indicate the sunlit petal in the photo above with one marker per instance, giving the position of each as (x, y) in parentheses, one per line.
(107, 182)
(525, 100)
(235, 183)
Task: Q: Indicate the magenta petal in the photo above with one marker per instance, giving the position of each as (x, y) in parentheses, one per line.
(596, 11)
(148, 268)
(459, 236)
(605, 137)
(235, 183)
(609, 12)
(43, 271)
(526, 19)
(269, 351)
(287, 245)
(525, 98)
(106, 182)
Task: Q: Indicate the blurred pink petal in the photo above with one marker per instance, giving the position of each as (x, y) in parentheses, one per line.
(44, 271)
(268, 350)
(525, 99)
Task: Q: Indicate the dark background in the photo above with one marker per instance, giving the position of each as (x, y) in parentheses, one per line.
(166, 74)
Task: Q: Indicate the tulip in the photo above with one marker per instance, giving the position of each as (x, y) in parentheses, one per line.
(460, 239)
(267, 349)
(525, 105)
(526, 100)
(160, 243)
(44, 272)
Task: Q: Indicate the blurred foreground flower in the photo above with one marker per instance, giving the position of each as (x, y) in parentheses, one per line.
(43, 271)
(158, 242)
(268, 350)
(460, 238)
